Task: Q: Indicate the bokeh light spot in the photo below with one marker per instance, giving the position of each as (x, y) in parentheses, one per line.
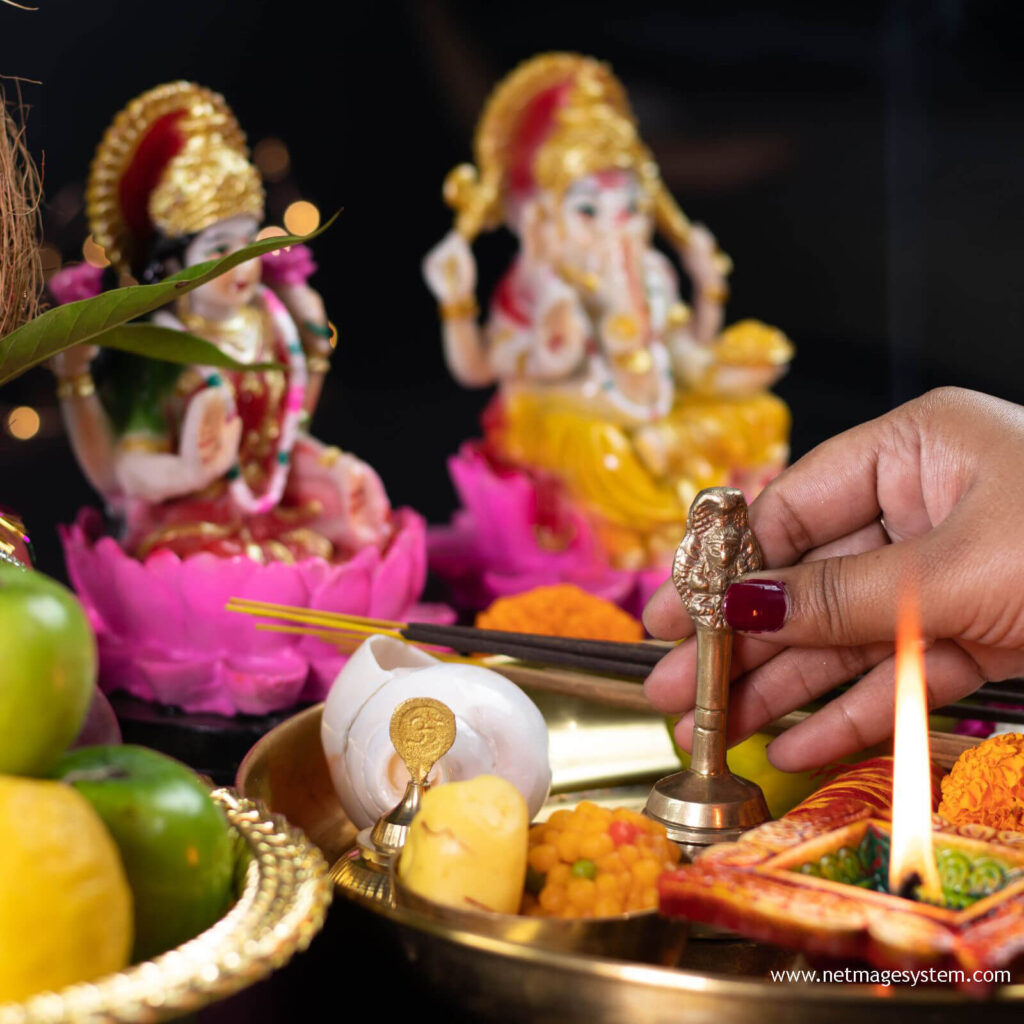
(23, 422)
(301, 217)
(94, 254)
(272, 159)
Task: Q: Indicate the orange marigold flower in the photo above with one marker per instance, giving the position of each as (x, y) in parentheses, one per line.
(986, 785)
(561, 610)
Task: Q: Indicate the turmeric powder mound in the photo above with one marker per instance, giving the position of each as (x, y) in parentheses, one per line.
(986, 785)
(561, 610)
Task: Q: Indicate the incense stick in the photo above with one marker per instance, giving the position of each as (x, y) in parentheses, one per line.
(573, 666)
(607, 657)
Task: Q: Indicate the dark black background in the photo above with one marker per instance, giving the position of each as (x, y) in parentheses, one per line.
(861, 162)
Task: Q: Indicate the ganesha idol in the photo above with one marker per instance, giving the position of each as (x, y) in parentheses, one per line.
(617, 401)
(214, 488)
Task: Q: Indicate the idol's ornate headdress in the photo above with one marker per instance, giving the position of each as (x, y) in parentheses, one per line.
(174, 161)
(555, 119)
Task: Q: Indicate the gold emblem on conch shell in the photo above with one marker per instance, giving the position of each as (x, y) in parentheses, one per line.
(422, 730)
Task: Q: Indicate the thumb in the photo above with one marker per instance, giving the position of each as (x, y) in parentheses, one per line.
(841, 601)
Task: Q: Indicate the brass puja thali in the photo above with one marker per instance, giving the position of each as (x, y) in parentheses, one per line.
(714, 976)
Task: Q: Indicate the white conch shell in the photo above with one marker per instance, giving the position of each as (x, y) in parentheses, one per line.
(499, 730)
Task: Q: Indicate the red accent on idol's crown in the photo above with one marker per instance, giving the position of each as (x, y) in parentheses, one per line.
(157, 148)
(533, 128)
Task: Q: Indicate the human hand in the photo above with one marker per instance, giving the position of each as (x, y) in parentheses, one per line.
(927, 497)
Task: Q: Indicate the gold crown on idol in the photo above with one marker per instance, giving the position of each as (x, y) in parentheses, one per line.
(591, 128)
(174, 160)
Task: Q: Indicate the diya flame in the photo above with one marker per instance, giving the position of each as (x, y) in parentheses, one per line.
(911, 850)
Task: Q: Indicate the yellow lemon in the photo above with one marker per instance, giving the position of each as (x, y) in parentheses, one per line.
(65, 905)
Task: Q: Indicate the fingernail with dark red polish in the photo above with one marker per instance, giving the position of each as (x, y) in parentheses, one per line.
(755, 606)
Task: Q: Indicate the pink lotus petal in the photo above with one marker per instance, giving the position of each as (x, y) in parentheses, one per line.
(491, 548)
(193, 684)
(402, 574)
(348, 586)
(257, 686)
(322, 673)
(119, 668)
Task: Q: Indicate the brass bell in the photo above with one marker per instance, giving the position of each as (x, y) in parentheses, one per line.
(707, 803)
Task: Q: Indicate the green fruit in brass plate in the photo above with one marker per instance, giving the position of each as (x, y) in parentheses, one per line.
(177, 849)
(47, 670)
(782, 790)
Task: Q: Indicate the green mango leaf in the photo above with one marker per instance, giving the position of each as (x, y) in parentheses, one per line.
(88, 319)
(172, 346)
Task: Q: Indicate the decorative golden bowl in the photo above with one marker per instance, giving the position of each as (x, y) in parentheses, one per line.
(282, 900)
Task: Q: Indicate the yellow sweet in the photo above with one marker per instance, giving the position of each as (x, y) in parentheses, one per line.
(593, 862)
(467, 845)
(65, 905)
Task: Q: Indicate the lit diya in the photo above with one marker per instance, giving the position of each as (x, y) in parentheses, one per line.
(863, 870)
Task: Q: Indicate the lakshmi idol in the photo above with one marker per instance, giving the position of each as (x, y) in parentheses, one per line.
(617, 401)
(214, 487)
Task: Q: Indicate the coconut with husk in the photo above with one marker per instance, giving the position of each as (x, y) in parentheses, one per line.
(21, 273)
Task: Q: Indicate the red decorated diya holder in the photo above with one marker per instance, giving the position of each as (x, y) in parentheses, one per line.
(816, 880)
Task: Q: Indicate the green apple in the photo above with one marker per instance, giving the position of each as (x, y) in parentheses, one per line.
(177, 849)
(47, 670)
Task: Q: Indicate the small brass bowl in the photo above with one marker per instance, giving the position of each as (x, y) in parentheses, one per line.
(641, 935)
(283, 894)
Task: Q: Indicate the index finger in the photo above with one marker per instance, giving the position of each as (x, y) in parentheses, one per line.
(664, 616)
(831, 492)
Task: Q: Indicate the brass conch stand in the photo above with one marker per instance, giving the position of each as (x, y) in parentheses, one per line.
(706, 803)
(422, 730)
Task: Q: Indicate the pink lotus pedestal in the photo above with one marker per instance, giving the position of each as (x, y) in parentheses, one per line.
(164, 634)
(493, 546)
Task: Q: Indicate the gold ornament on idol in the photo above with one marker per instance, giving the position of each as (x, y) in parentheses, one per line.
(239, 335)
(208, 180)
